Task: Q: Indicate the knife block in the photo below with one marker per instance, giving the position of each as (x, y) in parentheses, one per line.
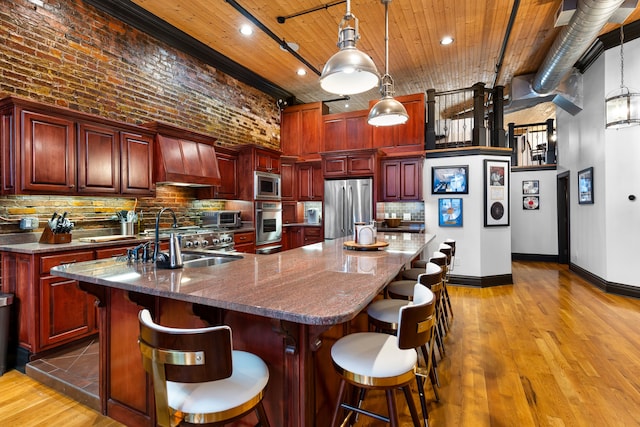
(49, 236)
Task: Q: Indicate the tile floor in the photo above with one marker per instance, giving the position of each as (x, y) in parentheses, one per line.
(73, 371)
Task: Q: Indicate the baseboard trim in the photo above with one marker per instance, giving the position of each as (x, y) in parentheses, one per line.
(606, 286)
(534, 257)
(481, 282)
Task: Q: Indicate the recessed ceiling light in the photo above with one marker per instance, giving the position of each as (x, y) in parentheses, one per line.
(301, 72)
(246, 30)
(446, 40)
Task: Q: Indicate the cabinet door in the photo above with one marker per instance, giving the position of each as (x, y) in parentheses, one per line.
(305, 179)
(358, 131)
(390, 180)
(296, 237)
(361, 164)
(411, 179)
(98, 160)
(317, 182)
(288, 179)
(311, 132)
(290, 128)
(137, 161)
(66, 312)
(48, 152)
(228, 167)
(312, 235)
(334, 166)
(289, 212)
(334, 133)
(267, 162)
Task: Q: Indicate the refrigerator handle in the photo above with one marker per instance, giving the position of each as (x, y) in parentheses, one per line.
(342, 214)
(351, 218)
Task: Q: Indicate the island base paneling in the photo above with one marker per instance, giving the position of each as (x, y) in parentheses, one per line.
(301, 386)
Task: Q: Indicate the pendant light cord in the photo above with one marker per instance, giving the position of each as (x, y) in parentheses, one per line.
(621, 56)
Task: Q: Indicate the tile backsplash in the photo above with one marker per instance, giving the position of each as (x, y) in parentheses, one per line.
(400, 209)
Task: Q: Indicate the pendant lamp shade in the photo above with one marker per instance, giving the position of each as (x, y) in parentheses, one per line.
(349, 71)
(623, 104)
(387, 111)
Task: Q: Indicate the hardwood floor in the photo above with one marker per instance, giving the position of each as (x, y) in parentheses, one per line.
(550, 350)
(25, 402)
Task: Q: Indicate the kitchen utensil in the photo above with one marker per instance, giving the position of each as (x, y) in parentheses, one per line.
(393, 222)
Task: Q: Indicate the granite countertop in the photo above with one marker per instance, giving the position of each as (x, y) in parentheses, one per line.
(41, 248)
(318, 284)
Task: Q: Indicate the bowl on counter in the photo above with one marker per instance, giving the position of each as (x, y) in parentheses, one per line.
(392, 222)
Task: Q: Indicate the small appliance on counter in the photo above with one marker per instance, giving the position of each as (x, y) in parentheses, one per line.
(221, 219)
(313, 216)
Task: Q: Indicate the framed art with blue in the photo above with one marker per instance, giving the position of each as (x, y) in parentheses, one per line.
(450, 212)
(450, 179)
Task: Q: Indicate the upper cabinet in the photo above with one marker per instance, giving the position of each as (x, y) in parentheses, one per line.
(408, 136)
(288, 177)
(401, 178)
(229, 186)
(339, 164)
(345, 131)
(301, 130)
(310, 181)
(253, 158)
(50, 150)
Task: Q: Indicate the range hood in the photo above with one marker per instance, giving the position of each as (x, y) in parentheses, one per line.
(184, 157)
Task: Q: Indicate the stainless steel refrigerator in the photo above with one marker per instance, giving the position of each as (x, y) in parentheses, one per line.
(346, 201)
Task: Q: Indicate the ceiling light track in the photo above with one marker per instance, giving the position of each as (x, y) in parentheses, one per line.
(283, 44)
(282, 19)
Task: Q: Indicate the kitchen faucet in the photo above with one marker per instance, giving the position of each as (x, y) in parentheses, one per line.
(174, 247)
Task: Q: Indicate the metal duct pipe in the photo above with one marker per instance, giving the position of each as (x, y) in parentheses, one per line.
(574, 39)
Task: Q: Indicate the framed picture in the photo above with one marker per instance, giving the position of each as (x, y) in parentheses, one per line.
(450, 179)
(585, 186)
(530, 203)
(450, 212)
(530, 187)
(496, 193)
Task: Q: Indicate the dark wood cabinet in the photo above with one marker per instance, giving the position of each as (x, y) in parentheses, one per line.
(51, 150)
(244, 242)
(266, 161)
(136, 154)
(301, 235)
(289, 212)
(288, 178)
(48, 153)
(301, 130)
(347, 131)
(349, 163)
(312, 235)
(98, 159)
(295, 237)
(401, 179)
(310, 181)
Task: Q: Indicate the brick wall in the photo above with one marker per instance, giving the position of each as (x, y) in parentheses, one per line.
(68, 54)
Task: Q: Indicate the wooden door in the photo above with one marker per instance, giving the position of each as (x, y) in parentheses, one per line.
(98, 159)
(305, 179)
(48, 154)
(288, 180)
(137, 161)
(411, 179)
(390, 180)
(228, 167)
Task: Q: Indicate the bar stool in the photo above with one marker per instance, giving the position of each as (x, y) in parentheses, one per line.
(440, 259)
(197, 376)
(451, 243)
(383, 314)
(373, 360)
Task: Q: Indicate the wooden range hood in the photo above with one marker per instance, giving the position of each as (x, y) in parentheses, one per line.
(184, 157)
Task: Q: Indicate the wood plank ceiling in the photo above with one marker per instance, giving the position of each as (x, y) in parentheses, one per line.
(417, 60)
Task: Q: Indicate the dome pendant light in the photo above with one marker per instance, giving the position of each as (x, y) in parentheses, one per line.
(623, 104)
(387, 111)
(349, 71)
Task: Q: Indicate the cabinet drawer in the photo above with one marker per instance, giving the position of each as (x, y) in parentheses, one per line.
(48, 262)
(111, 252)
(243, 238)
(312, 232)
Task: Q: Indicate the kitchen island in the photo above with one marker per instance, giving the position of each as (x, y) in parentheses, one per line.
(287, 307)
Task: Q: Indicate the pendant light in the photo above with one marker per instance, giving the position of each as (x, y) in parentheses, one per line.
(387, 111)
(623, 104)
(349, 71)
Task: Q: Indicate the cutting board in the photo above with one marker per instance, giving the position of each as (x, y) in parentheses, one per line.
(358, 247)
(101, 239)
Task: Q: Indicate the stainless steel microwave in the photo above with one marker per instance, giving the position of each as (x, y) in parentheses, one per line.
(222, 219)
(266, 186)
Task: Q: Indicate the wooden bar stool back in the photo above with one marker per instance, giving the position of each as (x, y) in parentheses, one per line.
(372, 360)
(197, 376)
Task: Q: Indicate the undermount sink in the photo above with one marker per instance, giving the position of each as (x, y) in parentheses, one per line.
(199, 259)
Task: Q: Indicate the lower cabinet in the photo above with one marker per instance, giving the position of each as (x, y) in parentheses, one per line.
(245, 242)
(297, 236)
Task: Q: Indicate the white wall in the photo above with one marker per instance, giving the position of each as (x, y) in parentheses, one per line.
(480, 251)
(604, 236)
(534, 231)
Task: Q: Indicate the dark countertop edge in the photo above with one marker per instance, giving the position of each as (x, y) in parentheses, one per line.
(302, 224)
(39, 248)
